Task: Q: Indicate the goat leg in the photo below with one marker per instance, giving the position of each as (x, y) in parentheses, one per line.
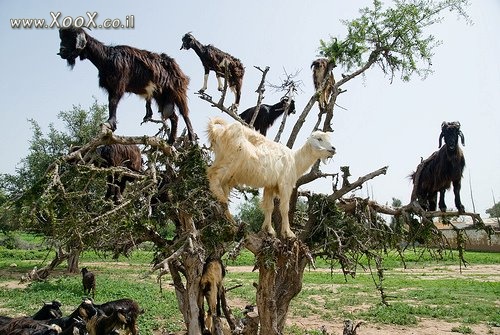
(442, 205)
(458, 202)
(149, 112)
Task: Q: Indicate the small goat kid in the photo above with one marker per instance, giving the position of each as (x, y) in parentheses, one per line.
(88, 281)
(126, 69)
(320, 68)
(245, 157)
(267, 114)
(440, 170)
(218, 61)
(211, 287)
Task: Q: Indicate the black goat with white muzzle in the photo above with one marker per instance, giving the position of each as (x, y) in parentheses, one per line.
(440, 170)
(267, 114)
(126, 69)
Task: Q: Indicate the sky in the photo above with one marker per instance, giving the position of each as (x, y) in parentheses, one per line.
(377, 123)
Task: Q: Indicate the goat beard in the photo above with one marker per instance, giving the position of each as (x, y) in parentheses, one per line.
(71, 62)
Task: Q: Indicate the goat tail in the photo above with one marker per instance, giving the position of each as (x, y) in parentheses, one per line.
(215, 128)
(178, 83)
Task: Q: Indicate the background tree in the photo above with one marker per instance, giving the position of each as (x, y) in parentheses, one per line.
(30, 180)
(494, 211)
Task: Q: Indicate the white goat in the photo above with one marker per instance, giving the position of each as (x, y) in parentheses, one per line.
(245, 157)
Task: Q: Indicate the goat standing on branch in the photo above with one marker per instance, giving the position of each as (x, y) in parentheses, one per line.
(218, 61)
(267, 114)
(320, 68)
(442, 168)
(126, 69)
(245, 157)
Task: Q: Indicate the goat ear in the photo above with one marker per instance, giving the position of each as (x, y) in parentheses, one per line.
(81, 41)
(462, 137)
(440, 139)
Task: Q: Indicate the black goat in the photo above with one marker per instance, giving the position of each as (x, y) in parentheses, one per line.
(320, 68)
(116, 155)
(128, 308)
(88, 281)
(126, 69)
(49, 310)
(77, 319)
(216, 60)
(28, 326)
(443, 167)
(268, 114)
(211, 288)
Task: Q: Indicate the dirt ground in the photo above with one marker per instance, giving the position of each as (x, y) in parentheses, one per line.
(335, 327)
(424, 326)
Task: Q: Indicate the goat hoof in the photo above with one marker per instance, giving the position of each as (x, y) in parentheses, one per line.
(288, 235)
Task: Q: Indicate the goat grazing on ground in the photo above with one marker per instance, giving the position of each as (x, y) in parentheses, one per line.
(245, 157)
(440, 170)
(126, 69)
(88, 281)
(267, 114)
(128, 308)
(74, 322)
(320, 68)
(119, 155)
(49, 310)
(218, 61)
(211, 289)
(28, 326)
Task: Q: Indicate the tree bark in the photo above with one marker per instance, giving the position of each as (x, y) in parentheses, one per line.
(281, 268)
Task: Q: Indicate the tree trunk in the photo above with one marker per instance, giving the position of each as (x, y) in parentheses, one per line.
(281, 268)
(73, 259)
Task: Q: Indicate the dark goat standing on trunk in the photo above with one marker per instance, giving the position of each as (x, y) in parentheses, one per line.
(442, 168)
(116, 155)
(216, 60)
(320, 67)
(126, 69)
(268, 114)
(88, 281)
(211, 287)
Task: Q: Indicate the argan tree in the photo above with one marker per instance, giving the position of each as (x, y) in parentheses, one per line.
(170, 204)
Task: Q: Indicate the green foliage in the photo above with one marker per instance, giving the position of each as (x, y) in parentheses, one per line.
(494, 211)
(395, 38)
(251, 213)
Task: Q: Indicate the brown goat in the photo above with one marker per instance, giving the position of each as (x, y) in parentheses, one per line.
(119, 155)
(126, 69)
(211, 287)
(320, 68)
(440, 170)
(218, 61)
(88, 281)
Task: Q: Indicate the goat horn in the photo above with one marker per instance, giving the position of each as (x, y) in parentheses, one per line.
(462, 137)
